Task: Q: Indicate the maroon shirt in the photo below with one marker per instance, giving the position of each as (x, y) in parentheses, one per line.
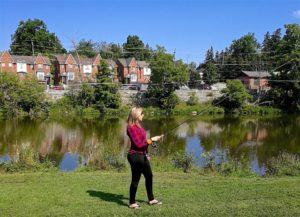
(138, 139)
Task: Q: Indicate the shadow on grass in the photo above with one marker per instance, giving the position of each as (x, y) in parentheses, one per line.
(109, 197)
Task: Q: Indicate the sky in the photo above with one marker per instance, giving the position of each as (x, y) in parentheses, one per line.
(187, 27)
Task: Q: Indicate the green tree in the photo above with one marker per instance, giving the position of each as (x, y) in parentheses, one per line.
(21, 96)
(110, 50)
(165, 70)
(86, 96)
(135, 47)
(270, 47)
(106, 92)
(86, 48)
(166, 73)
(234, 96)
(241, 55)
(210, 73)
(194, 75)
(210, 70)
(286, 94)
(33, 34)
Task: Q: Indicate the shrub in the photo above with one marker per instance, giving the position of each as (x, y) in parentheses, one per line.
(283, 164)
(19, 97)
(193, 100)
(27, 161)
(222, 163)
(183, 161)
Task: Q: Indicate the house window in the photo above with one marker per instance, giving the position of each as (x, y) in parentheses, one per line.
(87, 69)
(70, 66)
(40, 66)
(21, 67)
(133, 69)
(3, 64)
(256, 82)
(71, 76)
(133, 78)
(40, 76)
(9, 64)
(47, 67)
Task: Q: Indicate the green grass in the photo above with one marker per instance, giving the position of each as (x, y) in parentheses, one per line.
(106, 194)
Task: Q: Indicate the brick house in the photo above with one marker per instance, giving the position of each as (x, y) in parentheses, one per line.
(42, 68)
(255, 80)
(132, 71)
(145, 71)
(22, 66)
(66, 69)
(6, 63)
(72, 69)
(88, 67)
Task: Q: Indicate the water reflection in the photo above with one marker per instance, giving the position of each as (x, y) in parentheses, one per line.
(78, 143)
(69, 162)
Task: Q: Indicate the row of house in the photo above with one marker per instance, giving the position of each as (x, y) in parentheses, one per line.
(67, 68)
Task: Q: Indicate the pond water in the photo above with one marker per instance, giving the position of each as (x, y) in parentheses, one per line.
(83, 142)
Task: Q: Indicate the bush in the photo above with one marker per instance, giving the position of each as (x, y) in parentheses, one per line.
(193, 100)
(183, 161)
(21, 97)
(162, 97)
(283, 164)
(257, 110)
(90, 112)
(27, 161)
(222, 163)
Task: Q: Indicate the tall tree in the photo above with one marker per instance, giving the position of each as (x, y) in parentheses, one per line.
(210, 70)
(165, 72)
(106, 92)
(241, 55)
(244, 53)
(33, 36)
(270, 48)
(286, 92)
(164, 69)
(194, 75)
(135, 47)
(110, 50)
(86, 48)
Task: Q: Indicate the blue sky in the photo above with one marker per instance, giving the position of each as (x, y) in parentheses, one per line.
(188, 26)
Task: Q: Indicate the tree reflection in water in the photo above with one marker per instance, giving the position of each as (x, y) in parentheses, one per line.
(96, 141)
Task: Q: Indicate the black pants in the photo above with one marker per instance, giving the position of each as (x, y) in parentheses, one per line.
(140, 165)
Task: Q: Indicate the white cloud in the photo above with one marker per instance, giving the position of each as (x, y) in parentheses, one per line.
(296, 14)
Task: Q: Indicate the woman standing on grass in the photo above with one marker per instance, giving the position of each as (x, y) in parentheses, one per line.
(138, 158)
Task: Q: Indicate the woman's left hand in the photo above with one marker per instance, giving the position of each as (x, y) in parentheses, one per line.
(156, 138)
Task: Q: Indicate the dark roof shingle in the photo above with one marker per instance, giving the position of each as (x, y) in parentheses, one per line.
(257, 74)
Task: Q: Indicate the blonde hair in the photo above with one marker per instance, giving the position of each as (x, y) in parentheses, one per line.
(133, 115)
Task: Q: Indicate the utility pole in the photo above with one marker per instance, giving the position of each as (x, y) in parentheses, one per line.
(174, 53)
(259, 74)
(32, 47)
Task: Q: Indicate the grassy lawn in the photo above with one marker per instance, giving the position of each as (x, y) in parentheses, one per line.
(106, 194)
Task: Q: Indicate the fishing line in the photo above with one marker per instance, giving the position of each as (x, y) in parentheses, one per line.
(155, 145)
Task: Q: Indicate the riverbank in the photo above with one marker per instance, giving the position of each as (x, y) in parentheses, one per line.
(106, 194)
(61, 111)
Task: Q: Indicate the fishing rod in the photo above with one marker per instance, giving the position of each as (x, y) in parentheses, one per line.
(154, 143)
